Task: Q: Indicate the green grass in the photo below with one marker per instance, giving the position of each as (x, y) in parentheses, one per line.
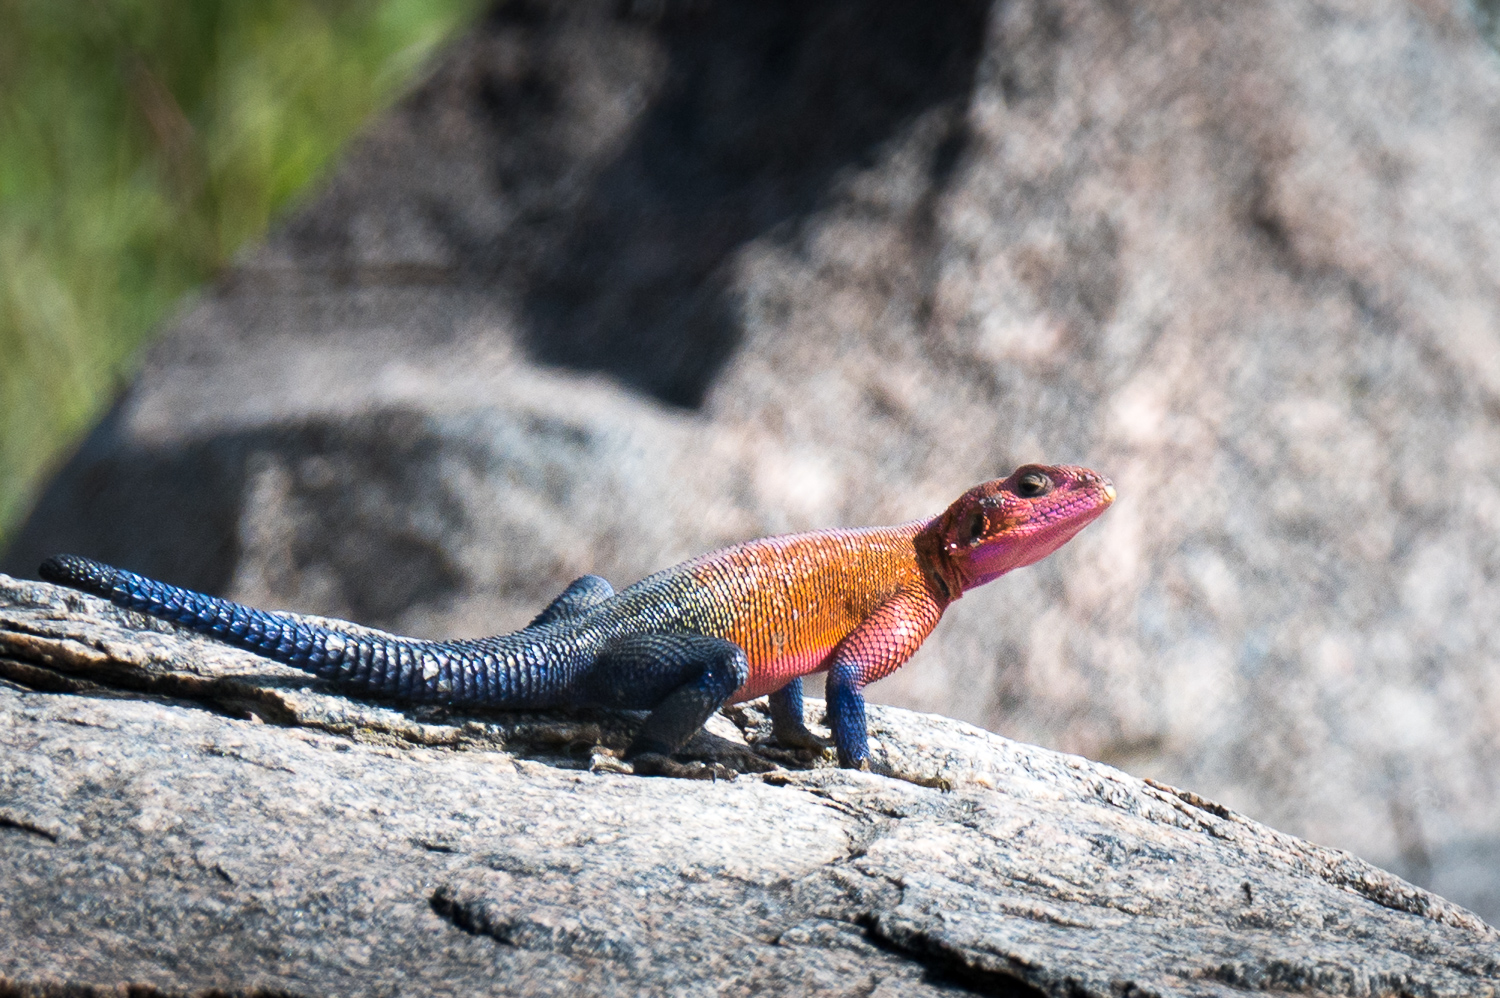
(141, 143)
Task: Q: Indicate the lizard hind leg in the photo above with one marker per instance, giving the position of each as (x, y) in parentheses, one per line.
(583, 594)
(681, 678)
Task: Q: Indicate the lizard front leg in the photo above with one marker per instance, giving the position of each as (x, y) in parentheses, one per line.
(788, 724)
(879, 646)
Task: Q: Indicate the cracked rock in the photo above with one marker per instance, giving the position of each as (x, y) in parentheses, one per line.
(177, 817)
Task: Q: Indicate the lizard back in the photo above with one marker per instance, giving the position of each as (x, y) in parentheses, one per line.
(787, 601)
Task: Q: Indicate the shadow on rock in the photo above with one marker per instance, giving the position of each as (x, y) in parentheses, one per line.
(761, 107)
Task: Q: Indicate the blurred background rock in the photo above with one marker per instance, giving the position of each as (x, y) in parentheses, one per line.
(616, 282)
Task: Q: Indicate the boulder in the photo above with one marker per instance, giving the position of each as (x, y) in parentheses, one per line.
(621, 282)
(178, 817)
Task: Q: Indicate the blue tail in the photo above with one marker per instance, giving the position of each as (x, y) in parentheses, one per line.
(274, 635)
(513, 670)
(382, 667)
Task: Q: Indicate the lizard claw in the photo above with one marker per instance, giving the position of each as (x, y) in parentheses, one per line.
(656, 764)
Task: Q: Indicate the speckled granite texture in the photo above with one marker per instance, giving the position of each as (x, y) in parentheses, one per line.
(178, 817)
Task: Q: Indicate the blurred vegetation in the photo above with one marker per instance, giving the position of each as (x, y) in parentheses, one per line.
(141, 143)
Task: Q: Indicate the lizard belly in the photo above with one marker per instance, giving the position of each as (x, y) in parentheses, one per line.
(769, 674)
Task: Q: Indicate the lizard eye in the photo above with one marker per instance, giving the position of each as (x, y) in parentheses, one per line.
(976, 526)
(1033, 484)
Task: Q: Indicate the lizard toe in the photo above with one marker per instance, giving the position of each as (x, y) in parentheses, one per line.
(656, 764)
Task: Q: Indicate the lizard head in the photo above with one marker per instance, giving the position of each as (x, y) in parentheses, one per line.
(1009, 523)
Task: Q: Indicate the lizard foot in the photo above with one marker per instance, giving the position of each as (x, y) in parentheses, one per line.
(795, 746)
(607, 762)
(656, 764)
(801, 738)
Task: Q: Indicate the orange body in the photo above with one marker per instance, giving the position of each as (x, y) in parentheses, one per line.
(790, 602)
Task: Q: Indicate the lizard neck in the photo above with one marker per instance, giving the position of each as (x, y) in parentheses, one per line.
(938, 568)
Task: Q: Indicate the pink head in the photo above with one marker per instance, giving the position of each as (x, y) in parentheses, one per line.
(1010, 522)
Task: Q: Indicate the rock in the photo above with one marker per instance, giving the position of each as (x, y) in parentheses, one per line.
(177, 816)
(619, 283)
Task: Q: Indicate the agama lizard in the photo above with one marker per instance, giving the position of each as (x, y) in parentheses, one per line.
(731, 625)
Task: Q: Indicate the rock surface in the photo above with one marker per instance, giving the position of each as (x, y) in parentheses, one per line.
(624, 281)
(177, 816)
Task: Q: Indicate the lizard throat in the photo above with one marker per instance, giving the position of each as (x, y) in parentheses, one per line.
(937, 567)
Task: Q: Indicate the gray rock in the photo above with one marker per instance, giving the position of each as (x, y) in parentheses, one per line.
(622, 282)
(177, 816)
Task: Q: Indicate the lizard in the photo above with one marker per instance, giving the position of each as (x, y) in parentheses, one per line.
(734, 624)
